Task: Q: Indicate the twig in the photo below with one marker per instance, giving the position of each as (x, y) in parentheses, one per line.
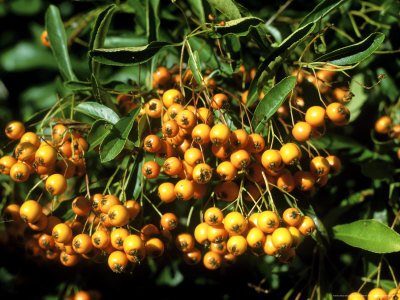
(280, 10)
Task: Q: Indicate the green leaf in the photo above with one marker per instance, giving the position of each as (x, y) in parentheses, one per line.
(276, 34)
(170, 275)
(126, 56)
(142, 130)
(124, 40)
(354, 53)
(100, 129)
(115, 141)
(38, 97)
(342, 142)
(271, 102)
(227, 7)
(275, 59)
(205, 50)
(238, 27)
(100, 28)
(25, 56)
(198, 9)
(26, 7)
(389, 88)
(58, 42)
(357, 102)
(321, 10)
(77, 85)
(152, 20)
(369, 235)
(139, 174)
(338, 142)
(194, 65)
(99, 33)
(98, 111)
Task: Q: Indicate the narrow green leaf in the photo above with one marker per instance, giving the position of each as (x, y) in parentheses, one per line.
(271, 102)
(276, 34)
(198, 9)
(100, 28)
(227, 8)
(321, 10)
(100, 129)
(194, 65)
(138, 184)
(354, 53)
(275, 59)
(369, 235)
(238, 27)
(98, 111)
(152, 20)
(115, 141)
(98, 35)
(341, 142)
(142, 131)
(77, 85)
(124, 40)
(58, 42)
(126, 56)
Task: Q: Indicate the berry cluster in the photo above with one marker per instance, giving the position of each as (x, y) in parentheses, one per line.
(194, 150)
(54, 160)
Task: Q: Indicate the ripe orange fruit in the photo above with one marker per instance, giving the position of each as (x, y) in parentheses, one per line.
(302, 131)
(315, 116)
(15, 130)
(383, 125)
(338, 113)
(56, 184)
(161, 77)
(44, 39)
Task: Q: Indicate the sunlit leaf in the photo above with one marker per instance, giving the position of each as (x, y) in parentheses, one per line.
(271, 102)
(369, 235)
(354, 53)
(114, 142)
(126, 56)
(98, 111)
(58, 42)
